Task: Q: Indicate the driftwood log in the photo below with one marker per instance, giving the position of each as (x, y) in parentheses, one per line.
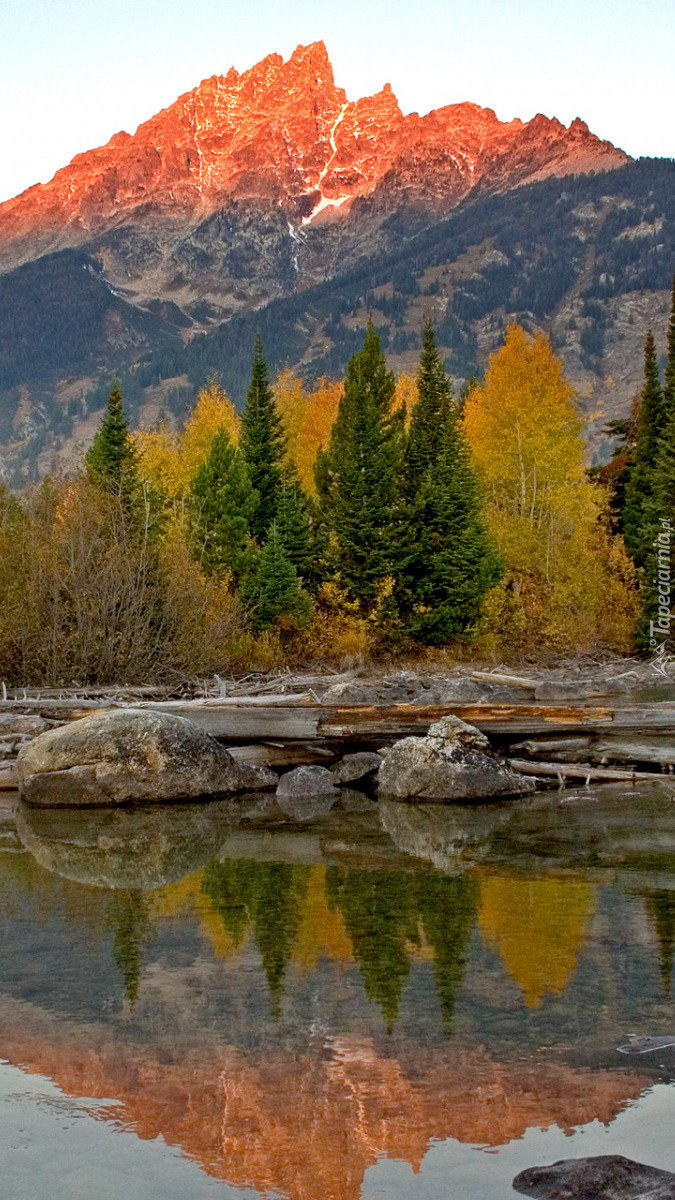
(288, 718)
(580, 771)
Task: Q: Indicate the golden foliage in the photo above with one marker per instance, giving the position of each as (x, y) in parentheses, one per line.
(406, 393)
(307, 419)
(539, 927)
(168, 460)
(564, 570)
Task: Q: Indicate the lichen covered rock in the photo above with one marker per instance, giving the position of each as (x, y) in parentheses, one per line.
(453, 762)
(131, 754)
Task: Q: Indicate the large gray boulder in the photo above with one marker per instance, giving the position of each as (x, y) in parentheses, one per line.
(604, 1177)
(131, 754)
(453, 762)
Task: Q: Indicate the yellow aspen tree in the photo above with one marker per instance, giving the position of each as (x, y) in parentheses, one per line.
(406, 393)
(168, 460)
(308, 418)
(564, 570)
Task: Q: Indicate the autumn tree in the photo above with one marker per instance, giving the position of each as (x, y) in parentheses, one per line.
(308, 419)
(358, 479)
(568, 583)
(262, 444)
(168, 459)
(221, 504)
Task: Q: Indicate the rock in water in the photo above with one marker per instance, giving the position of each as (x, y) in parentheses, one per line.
(605, 1177)
(307, 781)
(356, 766)
(131, 754)
(453, 762)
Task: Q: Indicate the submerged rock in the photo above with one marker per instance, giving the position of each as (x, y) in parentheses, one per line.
(356, 766)
(131, 754)
(307, 781)
(604, 1177)
(648, 1045)
(453, 762)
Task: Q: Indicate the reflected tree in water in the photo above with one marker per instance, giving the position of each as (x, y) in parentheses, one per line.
(448, 908)
(127, 917)
(381, 917)
(661, 908)
(266, 898)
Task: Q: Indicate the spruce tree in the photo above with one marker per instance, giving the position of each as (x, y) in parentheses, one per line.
(220, 505)
(640, 514)
(669, 378)
(359, 479)
(293, 521)
(454, 560)
(110, 458)
(274, 593)
(262, 444)
(430, 415)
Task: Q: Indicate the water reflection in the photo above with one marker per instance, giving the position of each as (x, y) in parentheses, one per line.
(289, 1001)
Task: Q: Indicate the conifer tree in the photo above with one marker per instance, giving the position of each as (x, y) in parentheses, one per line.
(665, 467)
(640, 509)
(358, 478)
(220, 505)
(454, 560)
(110, 458)
(274, 593)
(293, 520)
(431, 414)
(262, 444)
(669, 378)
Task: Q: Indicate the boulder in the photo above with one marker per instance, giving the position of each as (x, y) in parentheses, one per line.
(356, 766)
(130, 754)
(453, 762)
(307, 781)
(604, 1177)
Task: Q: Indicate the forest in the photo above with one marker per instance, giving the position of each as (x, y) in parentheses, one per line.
(332, 523)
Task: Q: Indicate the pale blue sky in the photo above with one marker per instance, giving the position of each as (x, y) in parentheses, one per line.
(73, 72)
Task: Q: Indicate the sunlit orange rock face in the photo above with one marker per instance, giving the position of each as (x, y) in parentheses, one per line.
(309, 1124)
(284, 133)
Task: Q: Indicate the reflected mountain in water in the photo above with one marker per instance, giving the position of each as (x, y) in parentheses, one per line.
(309, 1124)
(287, 1001)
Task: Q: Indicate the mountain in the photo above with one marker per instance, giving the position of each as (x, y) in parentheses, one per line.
(269, 200)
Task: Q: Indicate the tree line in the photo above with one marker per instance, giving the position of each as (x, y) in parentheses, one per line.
(371, 515)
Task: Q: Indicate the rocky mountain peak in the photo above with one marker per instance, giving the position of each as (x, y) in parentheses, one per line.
(282, 134)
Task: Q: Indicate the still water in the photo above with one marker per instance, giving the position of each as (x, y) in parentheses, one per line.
(333, 1003)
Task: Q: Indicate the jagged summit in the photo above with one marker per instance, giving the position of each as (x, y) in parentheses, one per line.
(283, 134)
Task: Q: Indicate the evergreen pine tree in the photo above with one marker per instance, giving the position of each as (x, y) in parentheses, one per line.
(665, 467)
(110, 458)
(262, 444)
(274, 593)
(220, 505)
(431, 414)
(358, 479)
(640, 510)
(293, 520)
(454, 562)
(669, 378)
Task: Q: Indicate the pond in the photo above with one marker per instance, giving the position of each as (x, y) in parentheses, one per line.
(334, 1002)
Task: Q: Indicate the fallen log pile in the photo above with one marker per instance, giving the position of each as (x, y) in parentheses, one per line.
(575, 740)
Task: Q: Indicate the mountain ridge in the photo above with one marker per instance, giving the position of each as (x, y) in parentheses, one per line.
(283, 134)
